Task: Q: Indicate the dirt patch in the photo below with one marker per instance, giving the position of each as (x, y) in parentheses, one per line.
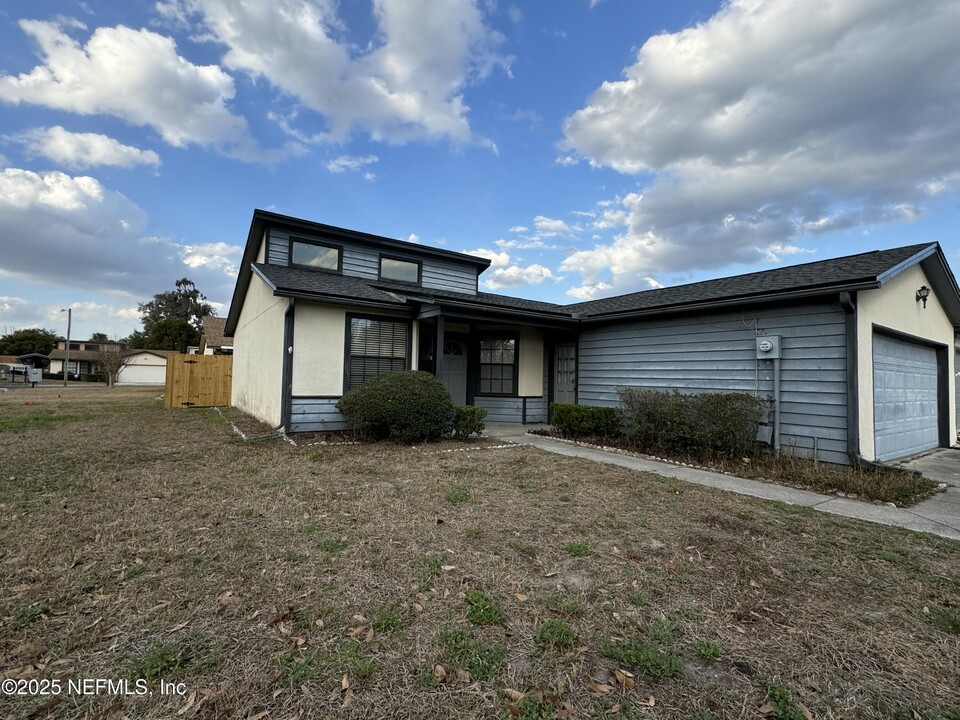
(142, 543)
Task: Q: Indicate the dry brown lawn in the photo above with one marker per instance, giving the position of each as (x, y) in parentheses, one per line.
(377, 581)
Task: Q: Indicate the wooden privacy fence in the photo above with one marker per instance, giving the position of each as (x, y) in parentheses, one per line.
(198, 381)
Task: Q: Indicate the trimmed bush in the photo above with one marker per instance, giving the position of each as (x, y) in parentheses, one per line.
(708, 424)
(584, 421)
(468, 420)
(407, 406)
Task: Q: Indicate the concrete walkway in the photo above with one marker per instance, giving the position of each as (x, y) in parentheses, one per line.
(940, 515)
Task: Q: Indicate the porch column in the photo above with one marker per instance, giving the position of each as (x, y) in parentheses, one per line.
(438, 354)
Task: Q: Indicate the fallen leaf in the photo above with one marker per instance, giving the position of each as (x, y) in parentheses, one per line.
(521, 597)
(347, 699)
(649, 702)
(440, 673)
(515, 695)
(599, 689)
(806, 712)
(463, 675)
(345, 682)
(613, 709)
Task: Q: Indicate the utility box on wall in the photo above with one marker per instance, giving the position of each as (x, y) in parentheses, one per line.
(768, 347)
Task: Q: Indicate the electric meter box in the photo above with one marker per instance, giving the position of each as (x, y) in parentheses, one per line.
(768, 347)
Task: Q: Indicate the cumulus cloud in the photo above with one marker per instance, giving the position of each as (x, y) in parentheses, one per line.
(96, 239)
(79, 151)
(135, 75)
(769, 122)
(548, 227)
(497, 259)
(515, 275)
(350, 162)
(407, 83)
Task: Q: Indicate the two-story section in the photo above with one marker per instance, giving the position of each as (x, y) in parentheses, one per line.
(318, 310)
(81, 357)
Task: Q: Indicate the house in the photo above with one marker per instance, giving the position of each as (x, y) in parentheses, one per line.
(213, 341)
(858, 349)
(143, 367)
(83, 355)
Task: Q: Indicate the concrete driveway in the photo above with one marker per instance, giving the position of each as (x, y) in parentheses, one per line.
(942, 466)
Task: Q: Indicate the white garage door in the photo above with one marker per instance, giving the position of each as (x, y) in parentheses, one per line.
(904, 398)
(142, 375)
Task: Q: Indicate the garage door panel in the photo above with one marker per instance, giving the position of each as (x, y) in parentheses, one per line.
(904, 398)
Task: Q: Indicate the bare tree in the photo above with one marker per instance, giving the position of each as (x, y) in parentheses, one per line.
(111, 359)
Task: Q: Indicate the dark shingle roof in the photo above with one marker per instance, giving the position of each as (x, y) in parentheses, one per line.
(848, 270)
(826, 275)
(304, 280)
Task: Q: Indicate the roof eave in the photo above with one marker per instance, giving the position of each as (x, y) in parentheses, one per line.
(731, 302)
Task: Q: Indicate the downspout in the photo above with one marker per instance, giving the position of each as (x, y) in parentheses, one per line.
(286, 402)
(848, 301)
(776, 404)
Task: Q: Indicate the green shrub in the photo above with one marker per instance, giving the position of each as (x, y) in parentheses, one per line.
(707, 424)
(408, 406)
(468, 420)
(586, 421)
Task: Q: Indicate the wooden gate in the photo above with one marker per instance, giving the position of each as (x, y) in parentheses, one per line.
(198, 381)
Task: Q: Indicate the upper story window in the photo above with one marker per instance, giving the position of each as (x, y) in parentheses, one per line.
(396, 269)
(91, 346)
(315, 255)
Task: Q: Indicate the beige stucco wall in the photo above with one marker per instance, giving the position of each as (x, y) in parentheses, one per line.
(894, 306)
(319, 333)
(530, 382)
(258, 353)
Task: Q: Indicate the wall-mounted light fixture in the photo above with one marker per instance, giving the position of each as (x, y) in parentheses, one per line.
(922, 294)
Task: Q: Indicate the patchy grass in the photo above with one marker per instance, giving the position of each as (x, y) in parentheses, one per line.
(457, 495)
(156, 544)
(901, 487)
(483, 609)
(577, 549)
(555, 634)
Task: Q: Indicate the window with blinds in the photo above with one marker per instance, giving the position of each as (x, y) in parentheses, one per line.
(498, 367)
(376, 347)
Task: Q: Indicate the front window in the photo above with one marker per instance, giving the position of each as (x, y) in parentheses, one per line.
(498, 367)
(376, 347)
(403, 270)
(322, 257)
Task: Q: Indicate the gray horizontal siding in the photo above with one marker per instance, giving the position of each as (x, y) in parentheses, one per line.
(510, 409)
(364, 261)
(716, 352)
(449, 276)
(316, 415)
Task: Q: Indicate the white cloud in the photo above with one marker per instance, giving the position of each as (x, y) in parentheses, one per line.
(116, 320)
(519, 229)
(217, 255)
(497, 259)
(515, 275)
(772, 121)
(369, 176)
(548, 227)
(70, 231)
(350, 162)
(79, 151)
(135, 75)
(413, 238)
(407, 83)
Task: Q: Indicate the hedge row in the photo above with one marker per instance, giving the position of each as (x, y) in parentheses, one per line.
(707, 424)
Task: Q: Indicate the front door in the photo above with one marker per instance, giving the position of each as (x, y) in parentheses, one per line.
(453, 372)
(565, 373)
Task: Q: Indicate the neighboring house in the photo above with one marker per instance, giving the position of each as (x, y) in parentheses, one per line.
(866, 368)
(84, 355)
(144, 367)
(213, 341)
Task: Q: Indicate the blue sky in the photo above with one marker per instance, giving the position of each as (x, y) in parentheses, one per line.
(587, 148)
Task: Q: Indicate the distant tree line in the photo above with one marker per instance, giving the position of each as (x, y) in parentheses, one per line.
(173, 320)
